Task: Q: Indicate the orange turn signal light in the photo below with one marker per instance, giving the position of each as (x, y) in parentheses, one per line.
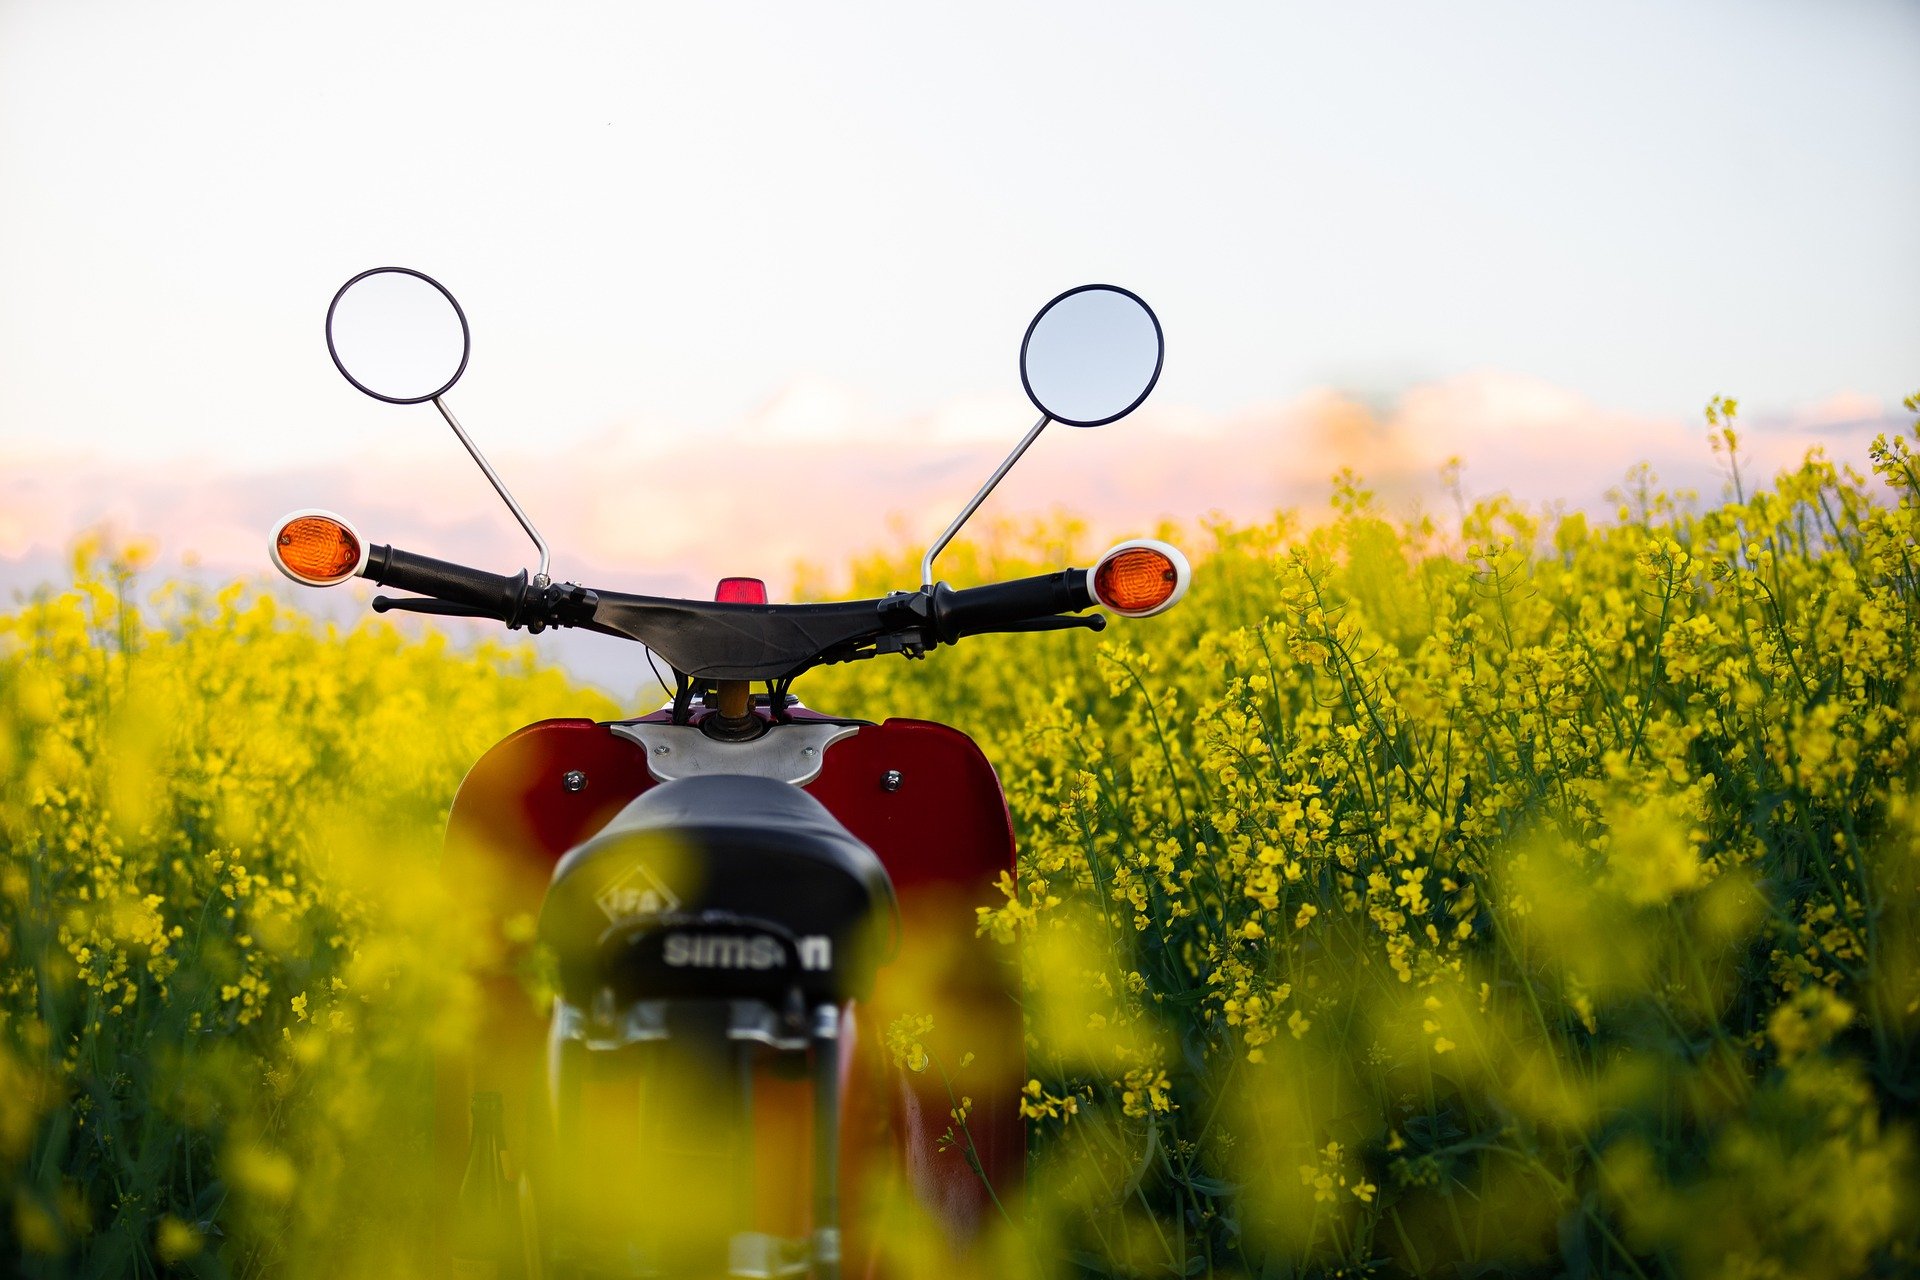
(317, 548)
(1140, 578)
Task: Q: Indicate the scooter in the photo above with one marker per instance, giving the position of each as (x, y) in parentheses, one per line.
(735, 895)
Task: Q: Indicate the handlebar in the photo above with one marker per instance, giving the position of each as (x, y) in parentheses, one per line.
(489, 594)
(713, 641)
(999, 606)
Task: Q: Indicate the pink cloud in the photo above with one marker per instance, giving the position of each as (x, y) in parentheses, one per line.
(818, 476)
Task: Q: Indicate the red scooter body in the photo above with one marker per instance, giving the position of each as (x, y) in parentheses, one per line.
(942, 831)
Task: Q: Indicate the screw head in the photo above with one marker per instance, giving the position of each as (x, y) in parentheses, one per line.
(574, 780)
(662, 749)
(890, 780)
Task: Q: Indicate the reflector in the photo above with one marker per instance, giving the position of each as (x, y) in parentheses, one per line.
(740, 591)
(317, 548)
(1140, 578)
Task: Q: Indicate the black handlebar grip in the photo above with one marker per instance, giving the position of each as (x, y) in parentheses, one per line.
(493, 594)
(1002, 604)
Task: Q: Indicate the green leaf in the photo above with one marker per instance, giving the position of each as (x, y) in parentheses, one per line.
(1212, 1186)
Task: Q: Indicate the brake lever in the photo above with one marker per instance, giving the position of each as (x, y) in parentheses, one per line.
(1060, 622)
(418, 604)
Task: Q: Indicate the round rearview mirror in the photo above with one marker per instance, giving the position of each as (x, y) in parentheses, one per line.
(397, 335)
(1091, 355)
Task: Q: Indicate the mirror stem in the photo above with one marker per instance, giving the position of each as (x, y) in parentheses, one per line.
(926, 565)
(540, 576)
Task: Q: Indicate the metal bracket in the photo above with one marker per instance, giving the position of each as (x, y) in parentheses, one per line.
(607, 1029)
(785, 752)
(753, 1020)
(926, 563)
(540, 578)
(758, 1255)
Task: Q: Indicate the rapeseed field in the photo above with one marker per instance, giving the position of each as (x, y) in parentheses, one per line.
(1510, 895)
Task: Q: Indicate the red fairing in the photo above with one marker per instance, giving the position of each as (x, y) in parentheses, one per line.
(946, 839)
(924, 798)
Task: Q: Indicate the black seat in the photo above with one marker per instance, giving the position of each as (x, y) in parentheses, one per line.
(728, 814)
(747, 847)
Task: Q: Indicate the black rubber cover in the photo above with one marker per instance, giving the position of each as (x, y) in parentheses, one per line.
(997, 605)
(497, 596)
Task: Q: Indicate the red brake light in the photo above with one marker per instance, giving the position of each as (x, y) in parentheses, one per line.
(740, 591)
(1140, 578)
(316, 548)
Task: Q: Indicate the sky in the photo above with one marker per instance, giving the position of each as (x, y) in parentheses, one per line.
(804, 240)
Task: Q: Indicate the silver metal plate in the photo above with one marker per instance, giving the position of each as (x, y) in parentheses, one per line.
(759, 1256)
(785, 752)
(607, 1029)
(642, 1021)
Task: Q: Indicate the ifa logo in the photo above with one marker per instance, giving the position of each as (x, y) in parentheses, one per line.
(636, 895)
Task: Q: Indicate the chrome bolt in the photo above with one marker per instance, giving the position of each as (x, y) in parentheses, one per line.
(890, 780)
(807, 751)
(662, 749)
(574, 780)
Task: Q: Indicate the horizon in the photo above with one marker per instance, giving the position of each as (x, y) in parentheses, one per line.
(805, 246)
(439, 504)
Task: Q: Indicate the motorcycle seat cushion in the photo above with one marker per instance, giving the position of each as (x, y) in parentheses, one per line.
(732, 823)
